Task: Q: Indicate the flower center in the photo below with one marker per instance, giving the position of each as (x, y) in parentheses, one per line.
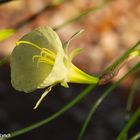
(45, 56)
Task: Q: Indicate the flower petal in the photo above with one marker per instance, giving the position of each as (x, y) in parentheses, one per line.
(25, 74)
(74, 52)
(43, 96)
(58, 74)
(66, 44)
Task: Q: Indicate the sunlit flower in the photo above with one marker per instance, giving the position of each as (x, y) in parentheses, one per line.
(39, 60)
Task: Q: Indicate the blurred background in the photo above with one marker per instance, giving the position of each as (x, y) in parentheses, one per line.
(109, 31)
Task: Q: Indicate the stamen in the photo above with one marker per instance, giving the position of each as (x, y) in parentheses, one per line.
(38, 47)
(45, 56)
(29, 43)
(45, 49)
(44, 60)
(34, 57)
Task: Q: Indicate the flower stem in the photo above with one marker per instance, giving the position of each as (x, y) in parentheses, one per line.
(101, 99)
(130, 123)
(136, 137)
(113, 69)
(54, 116)
(129, 103)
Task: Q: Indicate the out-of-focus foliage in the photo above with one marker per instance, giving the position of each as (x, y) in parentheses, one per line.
(5, 33)
(4, 60)
(4, 1)
(56, 2)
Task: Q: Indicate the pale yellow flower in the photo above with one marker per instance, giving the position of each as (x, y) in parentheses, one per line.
(39, 60)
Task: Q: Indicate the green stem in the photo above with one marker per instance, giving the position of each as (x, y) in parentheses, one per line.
(55, 115)
(130, 123)
(114, 68)
(84, 13)
(99, 101)
(122, 58)
(136, 137)
(129, 103)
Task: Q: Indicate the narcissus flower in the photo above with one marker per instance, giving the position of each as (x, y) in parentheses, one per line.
(39, 60)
